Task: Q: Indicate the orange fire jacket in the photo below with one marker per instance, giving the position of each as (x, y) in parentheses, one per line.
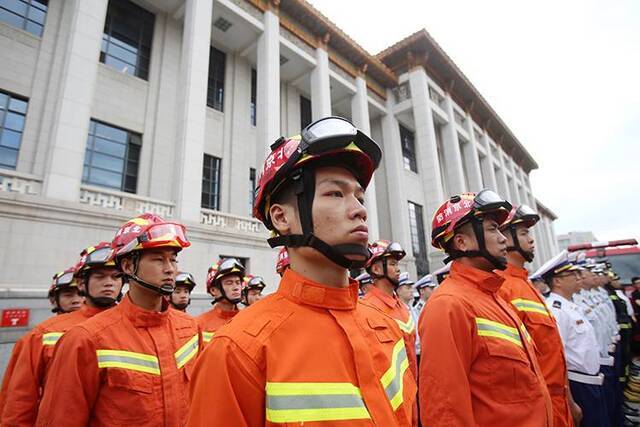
(124, 366)
(27, 382)
(8, 372)
(530, 307)
(394, 308)
(478, 364)
(212, 320)
(308, 354)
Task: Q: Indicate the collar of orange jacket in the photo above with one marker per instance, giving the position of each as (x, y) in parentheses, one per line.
(91, 311)
(390, 300)
(514, 271)
(301, 290)
(141, 317)
(224, 314)
(485, 280)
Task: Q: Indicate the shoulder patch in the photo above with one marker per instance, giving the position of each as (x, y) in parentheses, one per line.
(557, 304)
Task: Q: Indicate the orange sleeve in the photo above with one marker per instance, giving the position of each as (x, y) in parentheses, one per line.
(8, 372)
(227, 388)
(75, 373)
(445, 362)
(25, 385)
(508, 292)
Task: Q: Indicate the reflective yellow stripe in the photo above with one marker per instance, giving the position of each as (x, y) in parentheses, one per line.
(531, 306)
(51, 338)
(307, 402)
(489, 328)
(187, 351)
(408, 326)
(393, 380)
(207, 336)
(525, 333)
(128, 360)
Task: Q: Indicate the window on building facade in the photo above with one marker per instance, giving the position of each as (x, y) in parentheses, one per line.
(12, 115)
(112, 157)
(252, 188)
(305, 112)
(215, 86)
(418, 242)
(254, 96)
(211, 183)
(408, 149)
(28, 15)
(126, 42)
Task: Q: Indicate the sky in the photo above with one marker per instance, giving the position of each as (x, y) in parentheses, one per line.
(563, 75)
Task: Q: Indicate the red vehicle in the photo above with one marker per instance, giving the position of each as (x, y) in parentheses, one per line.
(624, 256)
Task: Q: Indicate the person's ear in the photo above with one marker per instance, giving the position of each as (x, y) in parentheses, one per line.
(282, 217)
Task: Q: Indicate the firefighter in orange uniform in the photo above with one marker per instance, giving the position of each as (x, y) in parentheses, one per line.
(224, 284)
(28, 374)
(310, 353)
(478, 364)
(384, 269)
(252, 289)
(181, 296)
(130, 364)
(530, 307)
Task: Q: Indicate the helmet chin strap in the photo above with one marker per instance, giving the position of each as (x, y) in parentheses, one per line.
(528, 256)
(182, 306)
(164, 290)
(482, 252)
(304, 182)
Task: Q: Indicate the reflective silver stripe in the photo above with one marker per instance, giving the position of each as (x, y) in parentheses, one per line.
(207, 336)
(51, 338)
(187, 351)
(490, 328)
(128, 360)
(528, 305)
(393, 379)
(306, 402)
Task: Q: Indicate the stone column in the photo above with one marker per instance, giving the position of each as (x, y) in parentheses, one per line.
(268, 70)
(490, 172)
(191, 108)
(502, 177)
(394, 171)
(471, 159)
(360, 116)
(451, 148)
(427, 152)
(320, 82)
(68, 135)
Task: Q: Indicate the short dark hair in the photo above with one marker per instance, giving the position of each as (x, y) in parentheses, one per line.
(634, 279)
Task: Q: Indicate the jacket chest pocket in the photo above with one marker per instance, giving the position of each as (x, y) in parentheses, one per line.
(512, 378)
(381, 330)
(547, 337)
(128, 395)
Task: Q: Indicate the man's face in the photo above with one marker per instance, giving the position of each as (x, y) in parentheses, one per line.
(569, 281)
(339, 215)
(636, 284)
(405, 293)
(69, 299)
(232, 286)
(157, 266)
(494, 240)
(393, 268)
(254, 295)
(425, 293)
(104, 282)
(180, 295)
(525, 238)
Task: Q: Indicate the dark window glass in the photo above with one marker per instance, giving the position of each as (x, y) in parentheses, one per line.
(305, 112)
(418, 242)
(211, 183)
(12, 116)
(254, 94)
(215, 87)
(408, 149)
(126, 42)
(252, 188)
(112, 157)
(28, 15)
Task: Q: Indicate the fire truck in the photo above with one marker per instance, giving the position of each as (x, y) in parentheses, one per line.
(624, 256)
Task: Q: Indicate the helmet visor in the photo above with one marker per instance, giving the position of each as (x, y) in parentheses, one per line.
(185, 278)
(65, 279)
(98, 257)
(329, 127)
(487, 201)
(256, 282)
(162, 234)
(229, 265)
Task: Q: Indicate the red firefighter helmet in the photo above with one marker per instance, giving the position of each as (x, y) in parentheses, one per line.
(282, 263)
(468, 208)
(520, 215)
(331, 141)
(97, 256)
(383, 249)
